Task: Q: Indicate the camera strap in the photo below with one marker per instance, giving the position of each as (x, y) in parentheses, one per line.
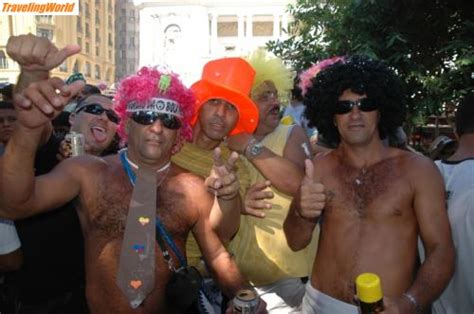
(161, 233)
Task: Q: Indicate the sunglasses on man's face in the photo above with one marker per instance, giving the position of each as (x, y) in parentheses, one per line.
(97, 109)
(364, 104)
(169, 121)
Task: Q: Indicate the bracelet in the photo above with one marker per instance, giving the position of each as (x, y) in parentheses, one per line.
(418, 309)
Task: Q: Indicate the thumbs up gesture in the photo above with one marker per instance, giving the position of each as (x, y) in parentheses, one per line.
(35, 53)
(312, 194)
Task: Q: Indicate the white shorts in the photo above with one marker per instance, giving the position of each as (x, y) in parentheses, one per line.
(282, 297)
(316, 302)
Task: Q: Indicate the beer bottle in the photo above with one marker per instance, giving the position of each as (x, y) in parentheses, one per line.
(369, 292)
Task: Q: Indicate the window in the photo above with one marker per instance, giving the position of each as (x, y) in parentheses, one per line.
(227, 26)
(87, 48)
(110, 40)
(42, 32)
(88, 31)
(75, 68)
(3, 60)
(97, 51)
(79, 41)
(88, 69)
(262, 25)
(97, 35)
(87, 11)
(97, 72)
(79, 25)
(44, 19)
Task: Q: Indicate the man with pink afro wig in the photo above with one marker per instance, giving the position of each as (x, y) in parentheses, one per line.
(142, 87)
(123, 199)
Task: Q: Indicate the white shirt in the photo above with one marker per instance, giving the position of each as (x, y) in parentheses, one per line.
(458, 297)
(9, 240)
(296, 112)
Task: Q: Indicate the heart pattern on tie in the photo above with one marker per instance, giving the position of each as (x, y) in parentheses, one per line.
(144, 220)
(136, 284)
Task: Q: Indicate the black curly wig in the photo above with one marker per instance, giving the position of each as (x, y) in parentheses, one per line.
(361, 75)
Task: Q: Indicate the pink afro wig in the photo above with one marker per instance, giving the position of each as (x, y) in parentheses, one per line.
(307, 75)
(143, 86)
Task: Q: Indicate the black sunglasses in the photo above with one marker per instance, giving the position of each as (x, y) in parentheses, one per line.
(364, 104)
(169, 121)
(97, 110)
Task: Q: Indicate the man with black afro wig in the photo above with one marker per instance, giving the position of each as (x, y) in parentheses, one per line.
(378, 200)
(364, 76)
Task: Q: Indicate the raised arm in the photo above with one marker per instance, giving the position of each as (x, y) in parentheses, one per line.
(36, 56)
(305, 210)
(223, 182)
(284, 172)
(22, 194)
(437, 269)
(220, 262)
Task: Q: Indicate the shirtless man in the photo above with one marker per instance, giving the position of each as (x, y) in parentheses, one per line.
(103, 189)
(378, 199)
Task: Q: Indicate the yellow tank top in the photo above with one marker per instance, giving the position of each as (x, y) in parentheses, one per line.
(260, 248)
(200, 161)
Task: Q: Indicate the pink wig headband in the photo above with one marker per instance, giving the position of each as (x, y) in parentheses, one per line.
(147, 85)
(307, 75)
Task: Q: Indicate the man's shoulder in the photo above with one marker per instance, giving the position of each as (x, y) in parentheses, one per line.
(89, 165)
(179, 177)
(410, 159)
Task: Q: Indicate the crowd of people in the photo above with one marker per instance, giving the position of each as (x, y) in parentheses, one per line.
(185, 196)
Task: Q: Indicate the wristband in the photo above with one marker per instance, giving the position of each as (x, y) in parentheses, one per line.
(418, 309)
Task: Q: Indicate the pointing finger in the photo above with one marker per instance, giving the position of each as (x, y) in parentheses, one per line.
(72, 89)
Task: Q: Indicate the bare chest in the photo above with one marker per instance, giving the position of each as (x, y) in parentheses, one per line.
(106, 204)
(378, 192)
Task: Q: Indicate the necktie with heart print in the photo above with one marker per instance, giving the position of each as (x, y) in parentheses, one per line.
(136, 272)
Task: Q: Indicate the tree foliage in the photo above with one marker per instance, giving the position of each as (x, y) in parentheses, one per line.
(430, 43)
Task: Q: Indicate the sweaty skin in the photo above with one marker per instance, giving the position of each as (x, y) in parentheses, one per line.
(369, 223)
(183, 205)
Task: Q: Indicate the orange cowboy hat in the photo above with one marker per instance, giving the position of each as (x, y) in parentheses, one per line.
(229, 79)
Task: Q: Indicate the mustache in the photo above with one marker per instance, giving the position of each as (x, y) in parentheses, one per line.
(217, 120)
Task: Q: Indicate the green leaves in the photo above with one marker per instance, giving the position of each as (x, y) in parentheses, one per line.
(429, 43)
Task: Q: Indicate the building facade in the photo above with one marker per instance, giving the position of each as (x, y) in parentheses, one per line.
(93, 29)
(126, 38)
(184, 34)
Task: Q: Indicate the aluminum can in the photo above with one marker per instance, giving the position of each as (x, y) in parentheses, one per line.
(76, 140)
(246, 301)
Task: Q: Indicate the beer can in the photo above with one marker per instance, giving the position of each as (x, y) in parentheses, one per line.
(76, 140)
(246, 301)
